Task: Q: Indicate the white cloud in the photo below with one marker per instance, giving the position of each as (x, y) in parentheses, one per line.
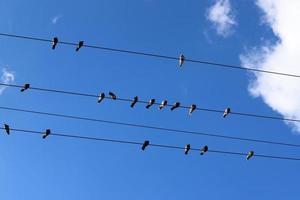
(6, 78)
(282, 94)
(56, 18)
(220, 14)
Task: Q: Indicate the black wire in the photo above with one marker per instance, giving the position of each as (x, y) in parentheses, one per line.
(210, 63)
(154, 145)
(146, 102)
(151, 127)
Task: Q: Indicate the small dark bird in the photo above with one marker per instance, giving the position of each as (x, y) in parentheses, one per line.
(192, 108)
(79, 45)
(181, 60)
(163, 104)
(112, 95)
(7, 129)
(250, 154)
(175, 105)
(54, 42)
(187, 149)
(25, 87)
(146, 143)
(204, 150)
(134, 101)
(47, 132)
(101, 97)
(226, 112)
(151, 102)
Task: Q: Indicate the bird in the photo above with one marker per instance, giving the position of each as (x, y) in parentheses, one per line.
(145, 144)
(112, 95)
(187, 149)
(79, 45)
(192, 108)
(101, 97)
(151, 102)
(250, 154)
(134, 101)
(47, 132)
(163, 104)
(175, 105)
(181, 60)
(204, 150)
(25, 87)
(7, 129)
(54, 42)
(226, 112)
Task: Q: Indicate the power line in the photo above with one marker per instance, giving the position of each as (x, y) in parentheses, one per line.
(210, 63)
(150, 144)
(170, 130)
(146, 102)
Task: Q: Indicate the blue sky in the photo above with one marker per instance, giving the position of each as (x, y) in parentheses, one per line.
(58, 168)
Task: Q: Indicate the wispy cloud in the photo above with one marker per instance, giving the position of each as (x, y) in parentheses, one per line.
(221, 16)
(56, 18)
(6, 78)
(282, 94)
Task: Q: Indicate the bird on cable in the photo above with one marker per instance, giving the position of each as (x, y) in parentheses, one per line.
(226, 112)
(112, 95)
(204, 150)
(54, 42)
(25, 87)
(79, 45)
(151, 102)
(175, 105)
(134, 101)
(187, 149)
(250, 155)
(101, 97)
(145, 144)
(181, 60)
(7, 129)
(47, 133)
(192, 108)
(163, 104)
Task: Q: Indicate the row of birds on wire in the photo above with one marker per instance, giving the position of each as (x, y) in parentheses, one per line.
(80, 44)
(151, 102)
(145, 144)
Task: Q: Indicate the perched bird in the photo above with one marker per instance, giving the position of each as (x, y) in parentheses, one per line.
(175, 105)
(151, 102)
(146, 143)
(79, 45)
(112, 95)
(47, 132)
(187, 149)
(192, 108)
(25, 87)
(134, 101)
(101, 97)
(54, 42)
(7, 129)
(163, 104)
(181, 60)
(204, 150)
(226, 112)
(250, 154)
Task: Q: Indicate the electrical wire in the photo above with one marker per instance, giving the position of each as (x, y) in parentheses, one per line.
(209, 63)
(168, 130)
(146, 102)
(154, 145)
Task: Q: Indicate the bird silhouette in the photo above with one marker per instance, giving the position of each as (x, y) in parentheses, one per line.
(101, 97)
(250, 155)
(54, 42)
(151, 102)
(175, 105)
(163, 104)
(145, 144)
(112, 95)
(226, 112)
(7, 129)
(192, 108)
(187, 149)
(25, 87)
(204, 150)
(47, 133)
(79, 45)
(181, 60)
(134, 101)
